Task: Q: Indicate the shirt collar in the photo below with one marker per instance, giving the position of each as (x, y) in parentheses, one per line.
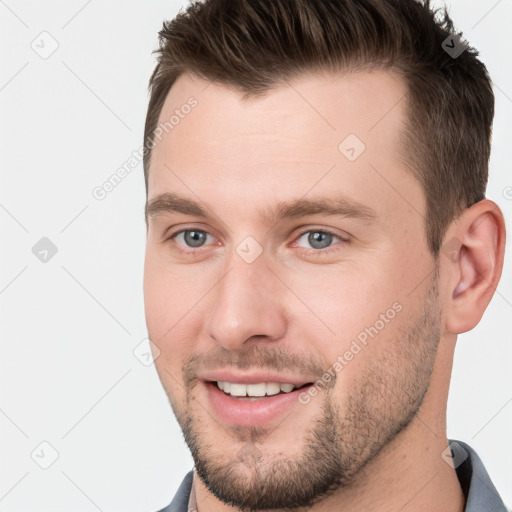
(475, 482)
(192, 503)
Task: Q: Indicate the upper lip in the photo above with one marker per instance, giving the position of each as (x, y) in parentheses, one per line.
(253, 377)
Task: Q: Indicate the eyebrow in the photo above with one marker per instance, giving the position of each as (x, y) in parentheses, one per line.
(342, 206)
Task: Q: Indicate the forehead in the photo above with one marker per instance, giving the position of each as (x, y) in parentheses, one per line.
(319, 133)
(316, 106)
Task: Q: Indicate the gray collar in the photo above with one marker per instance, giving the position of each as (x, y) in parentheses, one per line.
(476, 484)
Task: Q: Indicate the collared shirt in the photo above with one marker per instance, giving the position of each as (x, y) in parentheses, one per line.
(192, 502)
(478, 489)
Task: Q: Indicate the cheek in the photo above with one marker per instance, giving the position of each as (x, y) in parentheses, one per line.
(158, 301)
(347, 299)
(172, 298)
(168, 294)
(357, 315)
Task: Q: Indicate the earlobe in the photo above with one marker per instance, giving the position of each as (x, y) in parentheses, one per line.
(477, 266)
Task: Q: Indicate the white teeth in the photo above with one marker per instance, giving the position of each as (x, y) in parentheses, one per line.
(286, 388)
(256, 389)
(273, 388)
(260, 389)
(238, 389)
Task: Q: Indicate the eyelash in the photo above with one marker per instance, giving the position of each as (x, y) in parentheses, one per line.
(307, 252)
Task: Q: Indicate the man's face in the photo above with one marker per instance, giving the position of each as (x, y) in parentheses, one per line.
(342, 305)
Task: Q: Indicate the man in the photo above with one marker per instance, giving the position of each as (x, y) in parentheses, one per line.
(318, 236)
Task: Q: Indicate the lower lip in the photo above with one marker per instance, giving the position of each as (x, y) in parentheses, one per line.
(252, 413)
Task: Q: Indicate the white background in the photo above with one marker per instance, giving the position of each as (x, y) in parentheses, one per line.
(68, 327)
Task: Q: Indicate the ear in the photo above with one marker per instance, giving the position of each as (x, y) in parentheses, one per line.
(474, 261)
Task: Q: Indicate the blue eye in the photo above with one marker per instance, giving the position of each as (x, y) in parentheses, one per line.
(192, 237)
(318, 239)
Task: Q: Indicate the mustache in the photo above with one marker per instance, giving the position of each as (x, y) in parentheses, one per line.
(275, 359)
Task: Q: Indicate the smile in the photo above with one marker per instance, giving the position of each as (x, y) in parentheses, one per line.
(255, 403)
(261, 389)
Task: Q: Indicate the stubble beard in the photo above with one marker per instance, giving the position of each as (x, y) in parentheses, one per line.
(383, 401)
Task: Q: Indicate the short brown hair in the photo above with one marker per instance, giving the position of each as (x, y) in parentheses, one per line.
(253, 45)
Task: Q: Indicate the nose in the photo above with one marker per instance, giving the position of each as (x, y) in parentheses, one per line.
(248, 305)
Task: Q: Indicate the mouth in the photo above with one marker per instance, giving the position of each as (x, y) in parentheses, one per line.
(259, 402)
(256, 391)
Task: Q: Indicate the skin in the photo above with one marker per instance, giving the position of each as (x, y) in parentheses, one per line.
(382, 419)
